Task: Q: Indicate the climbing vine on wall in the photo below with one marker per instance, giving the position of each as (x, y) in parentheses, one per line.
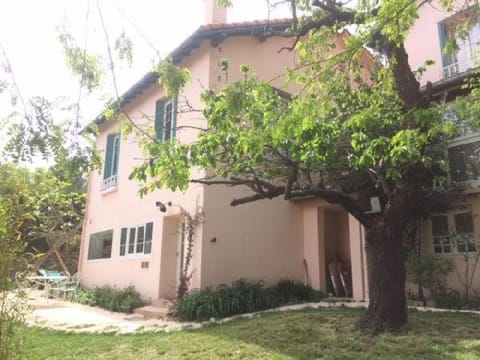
(189, 226)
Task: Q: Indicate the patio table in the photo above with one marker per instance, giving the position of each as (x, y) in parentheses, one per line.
(45, 281)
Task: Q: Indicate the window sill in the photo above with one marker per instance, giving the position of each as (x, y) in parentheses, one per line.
(99, 260)
(135, 257)
(464, 139)
(456, 254)
(109, 190)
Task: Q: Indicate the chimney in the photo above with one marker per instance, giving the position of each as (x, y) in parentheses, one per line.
(214, 14)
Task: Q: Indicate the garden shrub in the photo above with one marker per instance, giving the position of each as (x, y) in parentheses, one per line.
(110, 298)
(12, 301)
(427, 271)
(447, 298)
(241, 297)
(85, 296)
(290, 291)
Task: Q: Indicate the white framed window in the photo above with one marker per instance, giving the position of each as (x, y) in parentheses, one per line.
(110, 167)
(136, 240)
(165, 119)
(464, 159)
(453, 233)
(100, 245)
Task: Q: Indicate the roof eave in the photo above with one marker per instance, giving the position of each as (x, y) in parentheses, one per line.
(451, 87)
(205, 32)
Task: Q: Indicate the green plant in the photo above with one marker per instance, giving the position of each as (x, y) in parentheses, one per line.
(307, 334)
(427, 271)
(191, 222)
(85, 296)
(111, 298)
(466, 246)
(291, 291)
(12, 304)
(241, 297)
(448, 298)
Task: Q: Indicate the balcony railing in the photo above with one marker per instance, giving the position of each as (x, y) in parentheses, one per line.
(109, 183)
(450, 70)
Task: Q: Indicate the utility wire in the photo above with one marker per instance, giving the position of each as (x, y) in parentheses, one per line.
(109, 50)
(84, 64)
(137, 29)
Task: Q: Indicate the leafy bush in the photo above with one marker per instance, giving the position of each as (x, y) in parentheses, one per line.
(428, 270)
(111, 298)
(85, 296)
(447, 298)
(241, 297)
(291, 291)
(12, 302)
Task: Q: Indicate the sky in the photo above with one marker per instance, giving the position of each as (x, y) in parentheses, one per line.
(29, 32)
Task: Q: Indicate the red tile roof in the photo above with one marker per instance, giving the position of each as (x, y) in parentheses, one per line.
(242, 24)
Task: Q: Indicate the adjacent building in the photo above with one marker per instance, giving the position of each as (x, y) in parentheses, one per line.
(454, 234)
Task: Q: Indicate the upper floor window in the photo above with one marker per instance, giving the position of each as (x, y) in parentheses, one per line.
(463, 30)
(165, 119)
(110, 169)
(136, 240)
(453, 232)
(463, 151)
(464, 159)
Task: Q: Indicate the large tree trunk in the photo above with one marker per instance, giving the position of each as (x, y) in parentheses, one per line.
(387, 309)
(385, 241)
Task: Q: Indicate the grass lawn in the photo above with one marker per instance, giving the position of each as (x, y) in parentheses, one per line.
(308, 334)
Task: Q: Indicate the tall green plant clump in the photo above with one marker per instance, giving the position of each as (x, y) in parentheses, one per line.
(11, 304)
(240, 298)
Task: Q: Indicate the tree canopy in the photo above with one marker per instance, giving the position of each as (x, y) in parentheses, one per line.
(41, 209)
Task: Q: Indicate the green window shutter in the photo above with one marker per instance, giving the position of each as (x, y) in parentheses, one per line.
(159, 110)
(116, 153)
(107, 170)
(442, 33)
(174, 121)
(123, 241)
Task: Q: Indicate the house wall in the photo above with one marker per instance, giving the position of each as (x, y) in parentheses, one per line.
(256, 241)
(328, 231)
(249, 50)
(124, 207)
(456, 279)
(423, 41)
(337, 242)
(261, 240)
(270, 239)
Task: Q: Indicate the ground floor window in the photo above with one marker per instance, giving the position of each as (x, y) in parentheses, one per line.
(453, 232)
(100, 245)
(136, 239)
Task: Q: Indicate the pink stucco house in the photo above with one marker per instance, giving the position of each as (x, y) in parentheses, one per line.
(425, 42)
(128, 241)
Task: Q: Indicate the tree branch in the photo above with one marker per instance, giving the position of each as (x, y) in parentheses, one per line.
(265, 190)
